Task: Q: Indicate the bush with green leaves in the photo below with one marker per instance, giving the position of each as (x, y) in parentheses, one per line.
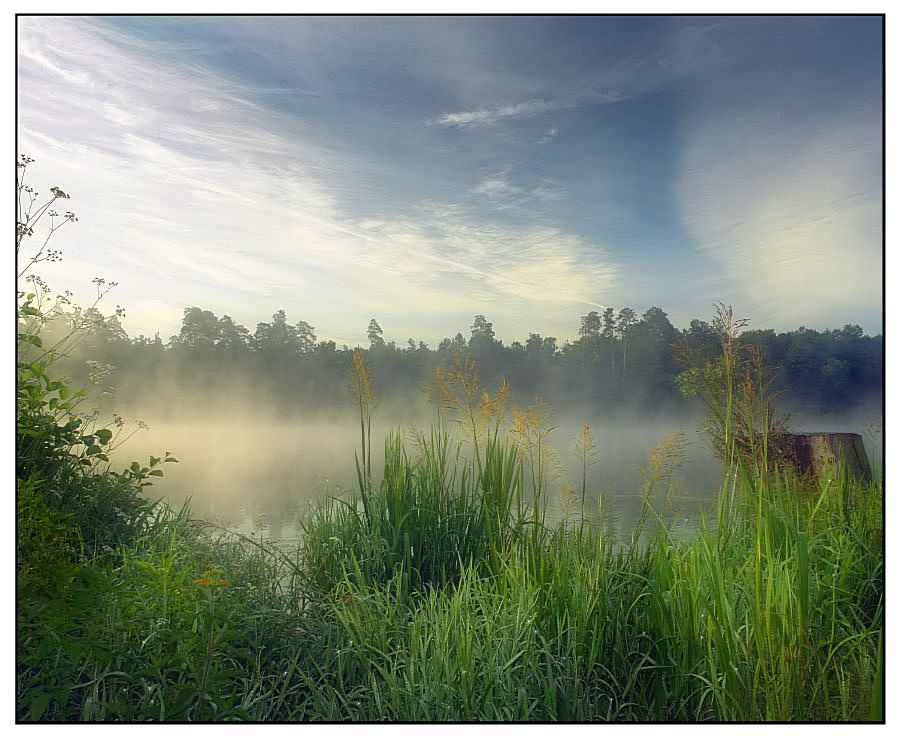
(62, 453)
(73, 511)
(431, 594)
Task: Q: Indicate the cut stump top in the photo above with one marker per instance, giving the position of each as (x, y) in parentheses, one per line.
(812, 453)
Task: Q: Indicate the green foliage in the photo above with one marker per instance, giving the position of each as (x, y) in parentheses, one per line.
(433, 593)
(567, 626)
(168, 633)
(742, 421)
(60, 452)
(426, 611)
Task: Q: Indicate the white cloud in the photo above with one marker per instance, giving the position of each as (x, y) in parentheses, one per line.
(220, 204)
(497, 185)
(527, 278)
(549, 136)
(792, 216)
(28, 51)
(489, 116)
(503, 194)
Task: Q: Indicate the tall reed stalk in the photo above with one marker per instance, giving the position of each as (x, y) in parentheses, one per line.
(439, 601)
(588, 454)
(361, 390)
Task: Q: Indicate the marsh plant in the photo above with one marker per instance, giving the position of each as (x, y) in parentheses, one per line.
(742, 421)
(439, 592)
(441, 601)
(588, 456)
(664, 459)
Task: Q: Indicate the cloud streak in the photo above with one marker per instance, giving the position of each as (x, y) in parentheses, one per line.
(490, 116)
(272, 176)
(188, 196)
(676, 55)
(790, 216)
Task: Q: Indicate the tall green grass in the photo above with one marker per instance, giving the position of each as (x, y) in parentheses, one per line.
(431, 517)
(450, 600)
(440, 592)
(776, 615)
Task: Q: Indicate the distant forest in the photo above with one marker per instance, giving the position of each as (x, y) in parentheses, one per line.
(620, 363)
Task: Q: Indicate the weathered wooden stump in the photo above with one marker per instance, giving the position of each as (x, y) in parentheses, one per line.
(814, 452)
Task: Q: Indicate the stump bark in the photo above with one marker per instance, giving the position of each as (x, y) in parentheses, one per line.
(814, 452)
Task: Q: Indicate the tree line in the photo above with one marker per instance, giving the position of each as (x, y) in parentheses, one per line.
(618, 362)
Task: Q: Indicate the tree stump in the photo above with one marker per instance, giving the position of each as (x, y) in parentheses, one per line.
(814, 452)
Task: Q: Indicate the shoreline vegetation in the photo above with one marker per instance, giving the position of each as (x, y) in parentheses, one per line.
(439, 591)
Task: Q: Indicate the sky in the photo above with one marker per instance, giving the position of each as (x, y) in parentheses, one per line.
(424, 170)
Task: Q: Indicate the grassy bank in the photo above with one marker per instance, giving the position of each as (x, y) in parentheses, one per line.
(439, 593)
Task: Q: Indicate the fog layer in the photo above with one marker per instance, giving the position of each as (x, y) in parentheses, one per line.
(255, 470)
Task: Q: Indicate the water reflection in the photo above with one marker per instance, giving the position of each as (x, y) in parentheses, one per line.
(261, 478)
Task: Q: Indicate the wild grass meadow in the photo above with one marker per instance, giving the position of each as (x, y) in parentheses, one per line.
(439, 592)
(439, 589)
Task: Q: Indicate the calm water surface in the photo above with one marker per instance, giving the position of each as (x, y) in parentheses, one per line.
(262, 477)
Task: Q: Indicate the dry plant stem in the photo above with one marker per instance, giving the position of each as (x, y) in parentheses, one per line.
(28, 218)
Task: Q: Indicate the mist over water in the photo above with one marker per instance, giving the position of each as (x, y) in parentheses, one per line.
(255, 471)
(259, 441)
(252, 461)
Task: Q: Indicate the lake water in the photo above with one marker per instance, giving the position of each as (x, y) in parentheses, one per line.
(261, 477)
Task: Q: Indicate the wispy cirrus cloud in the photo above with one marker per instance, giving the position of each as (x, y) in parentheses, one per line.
(489, 116)
(500, 191)
(549, 135)
(497, 264)
(188, 195)
(528, 109)
(676, 54)
(791, 217)
(222, 162)
(504, 194)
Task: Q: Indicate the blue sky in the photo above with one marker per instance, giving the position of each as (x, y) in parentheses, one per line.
(423, 170)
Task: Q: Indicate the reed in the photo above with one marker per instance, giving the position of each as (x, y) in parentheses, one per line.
(433, 594)
(558, 623)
